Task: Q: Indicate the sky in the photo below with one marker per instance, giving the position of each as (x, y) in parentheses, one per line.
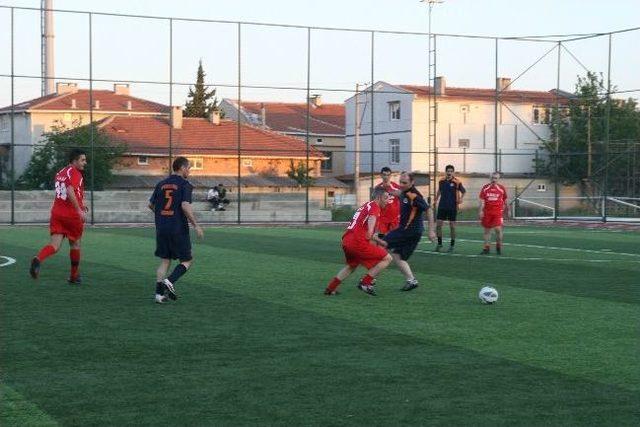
(138, 49)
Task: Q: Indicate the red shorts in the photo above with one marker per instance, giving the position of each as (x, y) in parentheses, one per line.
(386, 226)
(69, 227)
(362, 253)
(492, 219)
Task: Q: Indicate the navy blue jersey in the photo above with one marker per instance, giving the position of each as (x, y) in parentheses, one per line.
(167, 201)
(412, 209)
(450, 191)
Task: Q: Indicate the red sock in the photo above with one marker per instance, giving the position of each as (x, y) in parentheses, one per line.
(46, 252)
(367, 279)
(333, 284)
(498, 246)
(74, 255)
(487, 246)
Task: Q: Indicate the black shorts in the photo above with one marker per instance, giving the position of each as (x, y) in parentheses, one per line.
(402, 242)
(447, 214)
(173, 246)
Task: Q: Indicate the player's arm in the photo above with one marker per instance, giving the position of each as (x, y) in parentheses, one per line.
(431, 222)
(188, 212)
(71, 195)
(463, 191)
(481, 210)
(371, 231)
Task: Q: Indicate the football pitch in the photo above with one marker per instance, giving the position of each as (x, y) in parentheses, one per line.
(253, 341)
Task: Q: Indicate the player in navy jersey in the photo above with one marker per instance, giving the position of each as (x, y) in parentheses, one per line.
(448, 198)
(171, 203)
(403, 240)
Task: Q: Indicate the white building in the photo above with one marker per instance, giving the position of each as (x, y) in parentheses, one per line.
(464, 127)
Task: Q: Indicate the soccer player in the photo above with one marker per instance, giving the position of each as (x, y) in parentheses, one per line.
(390, 215)
(171, 203)
(362, 246)
(448, 198)
(67, 216)
(403, 240)
(493, 200)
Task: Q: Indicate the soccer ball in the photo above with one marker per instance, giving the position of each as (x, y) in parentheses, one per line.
(488, 295)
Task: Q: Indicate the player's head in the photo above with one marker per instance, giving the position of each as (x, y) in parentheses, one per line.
(407, 179)
(380, 196)
(385, 173)
(78, 158)
(449, 170)
(181, 166)
(495, 177)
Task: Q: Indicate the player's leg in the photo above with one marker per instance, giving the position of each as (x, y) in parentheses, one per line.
(487, 240)
(176, 274)
(367, 281)
(499, 234)
(332, 287)
(51, 248)
(74, 258)
(161, 273)
(452, 230)
(439, 223)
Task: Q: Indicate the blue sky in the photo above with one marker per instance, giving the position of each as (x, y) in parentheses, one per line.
(137, 49)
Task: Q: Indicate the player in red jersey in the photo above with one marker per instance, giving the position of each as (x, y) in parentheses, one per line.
(390, 214)
(362, 246)
(67, 215)
(493, 200)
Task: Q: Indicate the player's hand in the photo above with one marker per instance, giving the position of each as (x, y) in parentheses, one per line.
(199, 232)
(86, 208)
(82, 215)
(411, 196)
(382, 243)
(480, 214)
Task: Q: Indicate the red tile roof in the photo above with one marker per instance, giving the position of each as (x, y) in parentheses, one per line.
(479, 94)
(150, 135)
(327, 119)
(109, 102)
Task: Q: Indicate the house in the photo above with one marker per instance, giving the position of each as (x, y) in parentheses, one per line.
(326, 125)
(464, 127)
(68, 107)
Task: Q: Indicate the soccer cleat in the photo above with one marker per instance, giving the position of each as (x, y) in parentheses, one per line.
(34, 270)
(485, 251)
(160, 299)
(170, 291)
(330, 293)
(367, 289)
(410, 285)
(438, 248)
(451, 248)
(75, 280)
(499, 251)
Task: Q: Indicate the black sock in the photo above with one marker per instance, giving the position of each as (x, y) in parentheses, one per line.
(440, 240)
(453, 242)
(177, 273)
(159, 288)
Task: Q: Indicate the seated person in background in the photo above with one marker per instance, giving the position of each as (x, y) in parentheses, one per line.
(217, 196)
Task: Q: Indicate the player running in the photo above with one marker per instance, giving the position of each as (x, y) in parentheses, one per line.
(171, 203)
(403, 240)
(390, 214)
(493, 200)
(359, 248)
(448, 198)
(67, 216)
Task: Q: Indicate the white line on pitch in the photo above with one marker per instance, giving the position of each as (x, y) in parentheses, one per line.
(524, 258)
(8, 261)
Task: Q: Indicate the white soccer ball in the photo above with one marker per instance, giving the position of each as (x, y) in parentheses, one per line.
(488, 295)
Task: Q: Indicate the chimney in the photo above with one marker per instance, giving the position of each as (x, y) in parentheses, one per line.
(504, 83)
(121, 89)
(97, 105)
(176, 117)
(64, 88)
(316, 100)
(129, 106)
(214, 117)
(441, 86)
(263, 115)
(73, 104)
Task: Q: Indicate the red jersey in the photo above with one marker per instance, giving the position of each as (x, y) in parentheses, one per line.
(494, 196)
(358, 227)
(391, 212)
(69, 176)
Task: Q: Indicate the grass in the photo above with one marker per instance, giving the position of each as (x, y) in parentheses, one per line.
(252, 340)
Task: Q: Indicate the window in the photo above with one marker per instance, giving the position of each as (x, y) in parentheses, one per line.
(327, 165)
(463, 143)
(541, 114)
(247, 163)
(394, 110)
(143, 160)
(394, 151)
(196, 163)
(542, 187)
(319, 141)
(4, 123)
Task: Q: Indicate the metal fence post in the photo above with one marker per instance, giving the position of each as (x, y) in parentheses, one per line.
(607, 129)
(91, 125)
(13, 129)
(239, 129)
(307, 183)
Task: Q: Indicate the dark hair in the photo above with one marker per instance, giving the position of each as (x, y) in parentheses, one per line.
(377, 192)
(221, 185)
(75, 154)
(411, 175)
(385, 169)
(449, 167)
(180, 162)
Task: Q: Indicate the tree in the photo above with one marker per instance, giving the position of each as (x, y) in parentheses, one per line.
(199, 102)
(51, 156)
(583, 156)
(300, 173)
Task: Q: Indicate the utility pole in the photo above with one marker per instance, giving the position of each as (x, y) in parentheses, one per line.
(589, 142)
